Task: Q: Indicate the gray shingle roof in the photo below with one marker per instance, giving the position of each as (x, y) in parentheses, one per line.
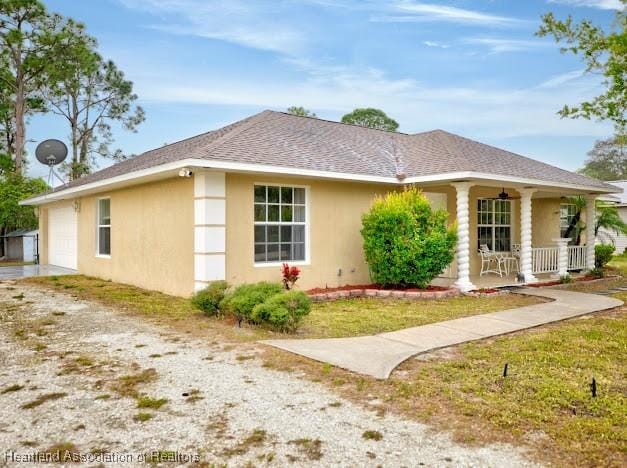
(279, 139)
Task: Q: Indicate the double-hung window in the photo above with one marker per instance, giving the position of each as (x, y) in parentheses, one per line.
(568, 212)
(103, 230)
(280, 223)
(494, 218)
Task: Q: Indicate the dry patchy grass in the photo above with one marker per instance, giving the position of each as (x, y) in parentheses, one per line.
(544, 403)
(347, 317)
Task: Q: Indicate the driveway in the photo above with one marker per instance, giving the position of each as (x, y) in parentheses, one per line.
(378, 355)
(25, 271)
(78, 374)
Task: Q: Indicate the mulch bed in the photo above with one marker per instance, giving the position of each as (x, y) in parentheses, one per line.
(557, 282)
(373, 290)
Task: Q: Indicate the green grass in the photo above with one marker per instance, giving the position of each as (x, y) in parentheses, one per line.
(149, 402)
(341, 318)
(620, 263)
(368, 316)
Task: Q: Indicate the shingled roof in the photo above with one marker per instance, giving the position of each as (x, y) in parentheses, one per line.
(284, 140)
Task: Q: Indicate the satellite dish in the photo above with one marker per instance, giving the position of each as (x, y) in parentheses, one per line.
(51, 152)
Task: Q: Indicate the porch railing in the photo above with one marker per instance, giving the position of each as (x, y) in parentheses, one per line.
(576, 257)
(546, 259)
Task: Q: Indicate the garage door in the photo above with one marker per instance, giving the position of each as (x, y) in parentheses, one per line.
(62, 237)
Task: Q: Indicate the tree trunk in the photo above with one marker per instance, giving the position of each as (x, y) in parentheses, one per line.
(20, 128)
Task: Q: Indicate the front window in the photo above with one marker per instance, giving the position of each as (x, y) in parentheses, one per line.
(568, 212)
(103, 235)
(494, 218)
(280, 221)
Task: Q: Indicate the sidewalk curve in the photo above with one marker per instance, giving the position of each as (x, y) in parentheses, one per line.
(378, 355)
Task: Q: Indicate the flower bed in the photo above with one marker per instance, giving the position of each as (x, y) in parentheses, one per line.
(373, 290)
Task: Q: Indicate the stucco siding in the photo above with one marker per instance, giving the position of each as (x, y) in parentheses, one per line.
(152, 236)
(335, 210)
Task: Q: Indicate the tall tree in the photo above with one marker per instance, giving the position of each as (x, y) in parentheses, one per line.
(31, 43)
(607, 160)
(603, 53)
(372, 118)
(300, 111)
(91, 94)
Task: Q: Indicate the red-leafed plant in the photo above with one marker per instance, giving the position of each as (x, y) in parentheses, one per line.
(290, 275)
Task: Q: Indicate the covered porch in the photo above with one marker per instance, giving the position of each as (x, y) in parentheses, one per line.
(519, 227)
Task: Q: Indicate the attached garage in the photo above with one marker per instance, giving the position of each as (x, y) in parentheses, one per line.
(62, 237)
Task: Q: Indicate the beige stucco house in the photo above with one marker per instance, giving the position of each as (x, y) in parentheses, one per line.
(237, 202)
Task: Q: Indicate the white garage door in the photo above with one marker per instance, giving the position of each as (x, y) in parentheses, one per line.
(62, 237)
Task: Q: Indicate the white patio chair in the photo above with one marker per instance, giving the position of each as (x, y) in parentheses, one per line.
(491, 262)
(511, 259)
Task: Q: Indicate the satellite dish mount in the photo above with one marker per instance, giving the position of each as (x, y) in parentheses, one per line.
(51, 153)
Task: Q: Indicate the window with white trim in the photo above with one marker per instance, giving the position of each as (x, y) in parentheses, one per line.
(568, 211)
(494, 218)
(103, 231)
(280, 222)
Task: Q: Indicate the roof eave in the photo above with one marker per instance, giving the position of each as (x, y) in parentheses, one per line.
(171, 170)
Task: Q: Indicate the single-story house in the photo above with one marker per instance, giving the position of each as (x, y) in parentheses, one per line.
(235, 203)
(619, 201)
(20, 245)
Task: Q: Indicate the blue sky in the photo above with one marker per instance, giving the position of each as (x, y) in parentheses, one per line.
(469, 67)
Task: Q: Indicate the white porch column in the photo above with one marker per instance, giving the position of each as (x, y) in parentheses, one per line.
(591, 218)
(463, 237)
(209, 228)
(562, 262)
(526, 267)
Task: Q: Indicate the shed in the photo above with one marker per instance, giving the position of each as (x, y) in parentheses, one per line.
(21, 245)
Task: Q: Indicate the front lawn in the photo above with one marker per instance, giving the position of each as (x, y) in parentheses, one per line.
(369, 316)
(544, 403)
(346, 317)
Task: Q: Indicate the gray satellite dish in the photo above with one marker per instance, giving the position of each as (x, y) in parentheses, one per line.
(51, 152)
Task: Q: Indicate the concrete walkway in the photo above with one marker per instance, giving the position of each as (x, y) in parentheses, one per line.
(25, 271)
(378, 355)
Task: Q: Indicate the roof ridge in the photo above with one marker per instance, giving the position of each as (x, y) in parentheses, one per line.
(393, 132)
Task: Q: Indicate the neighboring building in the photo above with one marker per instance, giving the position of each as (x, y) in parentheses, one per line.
(236, 202)
(20, 245)
(620, 202)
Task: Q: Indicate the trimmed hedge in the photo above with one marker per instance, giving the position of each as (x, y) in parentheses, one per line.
(241, 301)
(208, 299)
(406, 243)
(284, 311)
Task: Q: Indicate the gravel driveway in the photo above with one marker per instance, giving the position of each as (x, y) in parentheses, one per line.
(73, 373)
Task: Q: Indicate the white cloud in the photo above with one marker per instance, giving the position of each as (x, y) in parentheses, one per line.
(411, 11)
(250, 24)
(500, 45)
(437, 44)
(482, 111)
(601, 4)
(561, 79)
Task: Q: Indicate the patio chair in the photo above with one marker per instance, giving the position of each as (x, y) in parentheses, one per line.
(511, 259)
(491, 262)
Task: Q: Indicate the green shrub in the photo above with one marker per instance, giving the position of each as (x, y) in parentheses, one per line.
(284, 311)
(597, 272)
(603, 254)
(406, 243)
(241, 301)
(566, 279)
(208, 299)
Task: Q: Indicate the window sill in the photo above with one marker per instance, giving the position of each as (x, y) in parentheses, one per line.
(103, 256)
(279, 264)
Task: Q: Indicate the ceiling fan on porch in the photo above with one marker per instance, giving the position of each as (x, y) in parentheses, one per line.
(504, 196)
